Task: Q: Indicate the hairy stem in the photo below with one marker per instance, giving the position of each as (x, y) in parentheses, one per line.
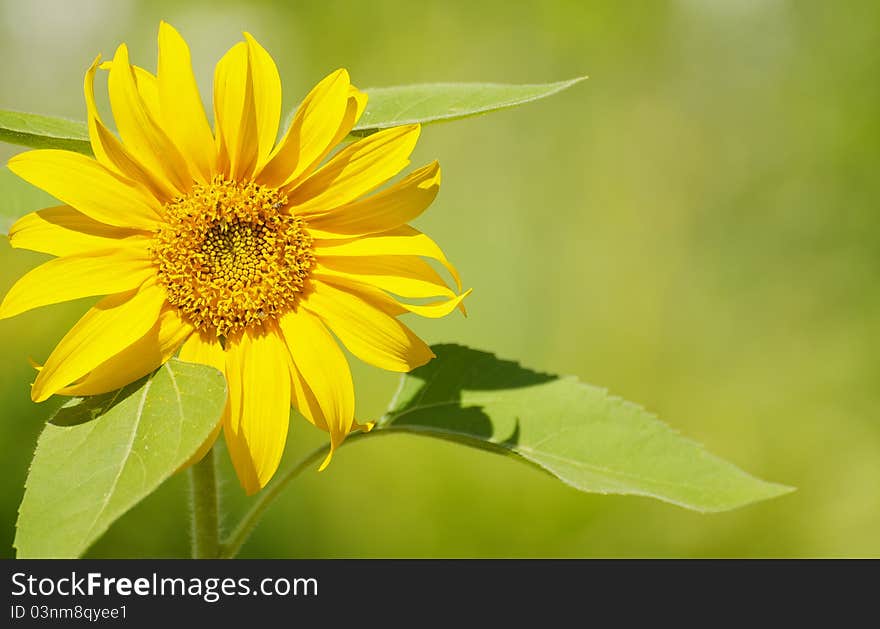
(204, 506)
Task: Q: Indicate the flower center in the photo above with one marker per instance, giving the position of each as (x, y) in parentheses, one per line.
(229, 258)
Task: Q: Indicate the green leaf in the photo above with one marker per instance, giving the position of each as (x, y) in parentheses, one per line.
(439, 102)
(101, 455)
(576, 432)
(44, 132)
(18, 197)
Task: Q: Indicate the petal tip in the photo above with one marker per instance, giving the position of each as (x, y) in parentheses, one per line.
(167, 30)
(461, 305)
(13, 161)
(423, 360)
(326, 461)
(38, 393)
(250, 489)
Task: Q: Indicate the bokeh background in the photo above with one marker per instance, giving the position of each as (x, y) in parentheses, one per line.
(695, 228)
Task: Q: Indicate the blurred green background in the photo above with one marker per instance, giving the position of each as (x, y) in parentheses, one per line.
(695, 228)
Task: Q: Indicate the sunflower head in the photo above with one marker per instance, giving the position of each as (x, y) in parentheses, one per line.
(229, 259)
(217, 243)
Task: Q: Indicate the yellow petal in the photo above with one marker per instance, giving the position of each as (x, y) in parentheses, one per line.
(438, 309)
(62, 231)
(235, 120)
(138, 359)
(401, 241)
(86, 185)
(81, 275)
(354, 107)
(388, 209)
(369, 333)
(182, 112)
(147, 86)
(109, 327)
(302, 398)
(358, 106)
(407, 276)
(355, 170)
(140, 131)
(391, 305)
(267, 97)
(148, 89)
(312, 132)
(258, 405)
(94, 121)
(108, 150)
(203, 350)
(324, 370)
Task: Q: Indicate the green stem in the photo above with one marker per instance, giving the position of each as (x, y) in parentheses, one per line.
(232, 544)
(205, 508)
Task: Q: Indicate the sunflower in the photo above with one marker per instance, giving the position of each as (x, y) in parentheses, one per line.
(238, 252)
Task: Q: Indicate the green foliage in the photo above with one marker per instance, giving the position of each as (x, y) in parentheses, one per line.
(439, 102)
(44, 132)
(17, 198)
(574, 431)
(99, 456)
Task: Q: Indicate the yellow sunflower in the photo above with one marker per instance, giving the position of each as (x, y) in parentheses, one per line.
(240, 252)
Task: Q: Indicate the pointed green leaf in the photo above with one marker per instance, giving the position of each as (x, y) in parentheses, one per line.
(18, 197)
(101, 455)
(576, 432)
(437, 102)
(44, 132)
